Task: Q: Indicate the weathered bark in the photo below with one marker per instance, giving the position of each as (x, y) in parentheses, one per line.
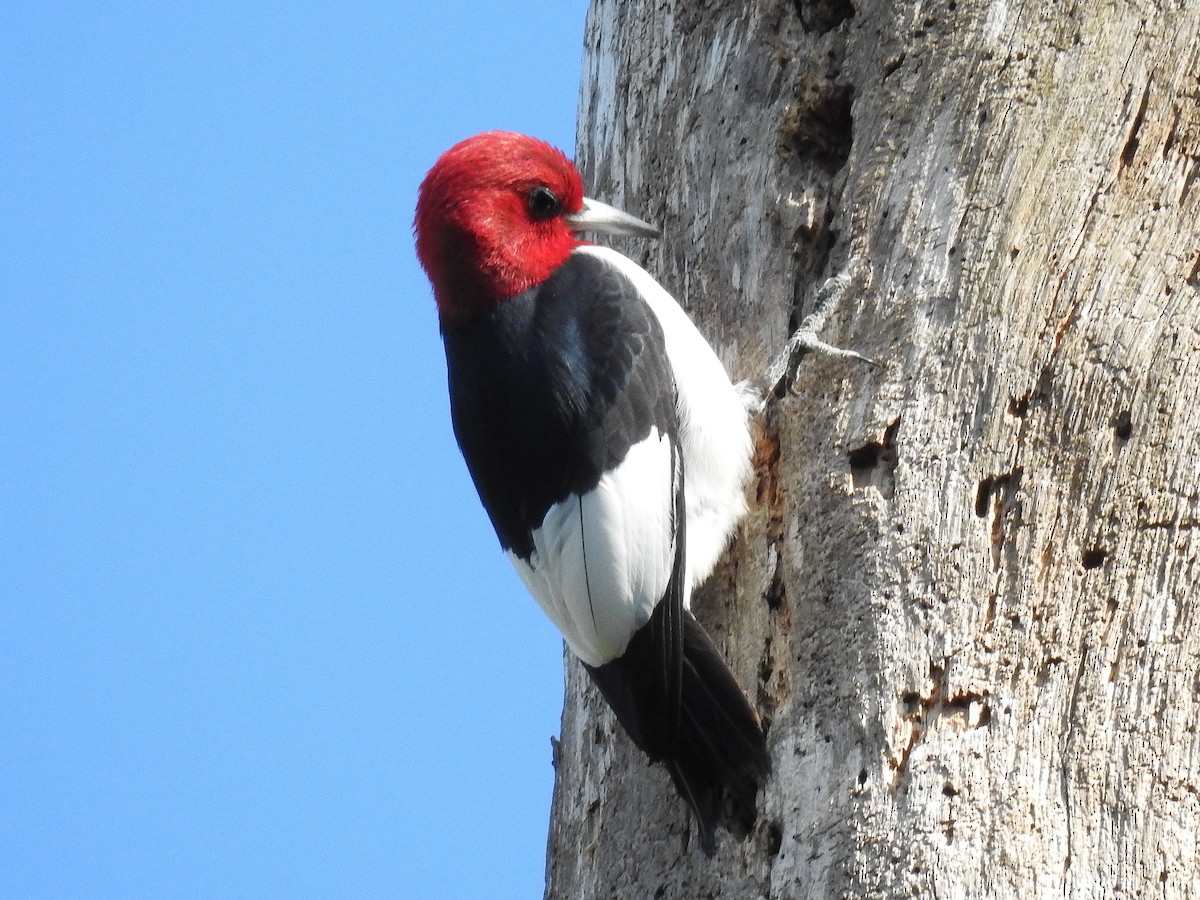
(965, 593)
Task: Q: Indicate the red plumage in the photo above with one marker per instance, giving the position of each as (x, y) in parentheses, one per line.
(477, 237)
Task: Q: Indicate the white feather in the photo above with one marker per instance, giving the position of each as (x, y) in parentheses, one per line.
(602, 561)
(713, 420)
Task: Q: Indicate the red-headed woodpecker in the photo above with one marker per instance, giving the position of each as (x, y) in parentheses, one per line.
(607, 444)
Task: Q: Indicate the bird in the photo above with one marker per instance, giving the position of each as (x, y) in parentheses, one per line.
(608, 445)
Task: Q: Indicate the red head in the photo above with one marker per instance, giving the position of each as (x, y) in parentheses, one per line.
(497, 214)
(490, 219)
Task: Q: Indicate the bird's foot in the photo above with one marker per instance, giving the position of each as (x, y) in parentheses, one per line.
(781, 373)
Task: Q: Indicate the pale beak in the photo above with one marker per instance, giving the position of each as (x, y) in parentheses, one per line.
(597, 216)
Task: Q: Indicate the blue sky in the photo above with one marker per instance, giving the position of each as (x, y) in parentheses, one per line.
(256, 637)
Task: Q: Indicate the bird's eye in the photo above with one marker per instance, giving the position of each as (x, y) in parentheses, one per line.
(543, 203)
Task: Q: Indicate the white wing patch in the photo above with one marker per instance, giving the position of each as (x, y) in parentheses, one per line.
(602, 561)
(713, 424)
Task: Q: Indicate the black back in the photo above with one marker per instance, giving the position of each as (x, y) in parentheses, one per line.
(550, 389)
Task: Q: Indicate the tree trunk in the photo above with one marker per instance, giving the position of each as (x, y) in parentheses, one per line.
(964, 597)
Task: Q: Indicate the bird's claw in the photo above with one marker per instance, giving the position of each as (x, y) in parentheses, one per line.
(781, 373)
(805, 340)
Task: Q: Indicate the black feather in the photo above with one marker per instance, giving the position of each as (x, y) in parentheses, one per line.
(677, 699)
(548, 391)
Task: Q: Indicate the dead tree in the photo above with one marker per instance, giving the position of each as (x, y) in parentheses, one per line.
(965, 596)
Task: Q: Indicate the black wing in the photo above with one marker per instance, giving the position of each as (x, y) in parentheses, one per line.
(549, 390)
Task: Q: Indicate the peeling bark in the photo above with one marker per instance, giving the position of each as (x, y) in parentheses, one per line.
(965, 593)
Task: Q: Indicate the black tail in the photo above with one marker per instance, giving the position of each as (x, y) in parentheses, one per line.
(696, 720)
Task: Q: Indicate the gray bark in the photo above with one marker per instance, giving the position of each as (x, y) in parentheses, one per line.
(965, 595)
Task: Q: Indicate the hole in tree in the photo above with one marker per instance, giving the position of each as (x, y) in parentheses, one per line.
(823, 15)
(865, 457)
(874, 463)
(1002, 486)
(774, 839)
(983, 495)
(820, 124)
(776, 593)
(1122, 424)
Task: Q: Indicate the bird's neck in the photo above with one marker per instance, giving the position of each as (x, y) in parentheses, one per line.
(474, 275)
